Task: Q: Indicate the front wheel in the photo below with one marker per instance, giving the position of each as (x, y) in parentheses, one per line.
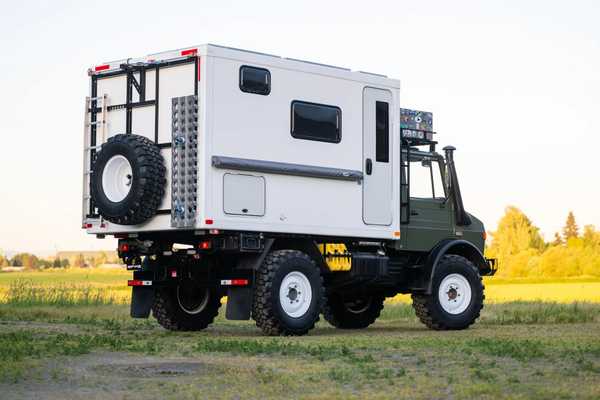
(456, 297)
(187, 307)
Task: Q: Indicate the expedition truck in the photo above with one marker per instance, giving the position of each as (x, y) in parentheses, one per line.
(291, 187)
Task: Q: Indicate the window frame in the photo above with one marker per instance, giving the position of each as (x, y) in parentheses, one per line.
(246, 90)
(313, 138)
(440, 171)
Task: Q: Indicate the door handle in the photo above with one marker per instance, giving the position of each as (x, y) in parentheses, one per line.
(414, 213)
(369, 166)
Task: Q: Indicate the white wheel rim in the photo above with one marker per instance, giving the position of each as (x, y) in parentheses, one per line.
(195, 310)
(455, 294)
(117, 178)
(295, 294)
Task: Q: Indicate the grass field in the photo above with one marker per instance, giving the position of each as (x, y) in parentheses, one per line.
(57, 342)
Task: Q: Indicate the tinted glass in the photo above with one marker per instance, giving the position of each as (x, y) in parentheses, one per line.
(382, 132)
(316, 122)
(255, 80)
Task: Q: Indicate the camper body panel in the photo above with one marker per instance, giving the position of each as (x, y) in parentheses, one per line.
(233, 123)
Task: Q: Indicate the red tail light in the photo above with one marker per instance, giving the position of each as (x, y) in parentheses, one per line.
(102, 67)
(205, 245)
(189, 52)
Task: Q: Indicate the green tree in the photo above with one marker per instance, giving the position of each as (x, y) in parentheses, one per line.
(570, 230)
(557, 240)
(518, 239)
(590, 237)
(3, 261)
(24, 260)
(64, 263)
(56, 263)
(79, 261)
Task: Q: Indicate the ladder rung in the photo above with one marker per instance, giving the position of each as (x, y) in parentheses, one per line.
(93, 147)
(95, 123)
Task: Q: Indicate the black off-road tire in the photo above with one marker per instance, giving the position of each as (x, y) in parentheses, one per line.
(428, 307)
(170, 315)
(340, 314)
(266, 307)
(147, 182)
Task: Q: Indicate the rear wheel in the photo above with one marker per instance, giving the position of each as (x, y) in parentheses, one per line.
(456, 297)
(288, 294)
(187, 307)
(352, 312)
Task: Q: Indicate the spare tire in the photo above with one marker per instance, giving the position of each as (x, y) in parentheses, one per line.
(128, 179)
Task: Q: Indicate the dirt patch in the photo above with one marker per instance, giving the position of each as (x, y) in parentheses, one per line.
(150, 369)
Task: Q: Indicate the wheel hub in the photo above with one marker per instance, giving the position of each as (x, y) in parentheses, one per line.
(455, 294)
(295, 294)
(192, 299)
(117, 178)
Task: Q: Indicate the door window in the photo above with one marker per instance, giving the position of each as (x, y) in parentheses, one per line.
(426, 180)
(382, 132)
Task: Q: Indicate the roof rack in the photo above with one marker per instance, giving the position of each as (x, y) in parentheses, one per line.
(416, 128)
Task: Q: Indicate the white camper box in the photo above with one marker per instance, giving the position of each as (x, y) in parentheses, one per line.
(252, 173)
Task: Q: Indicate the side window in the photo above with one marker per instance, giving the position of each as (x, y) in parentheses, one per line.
(426, 180)
(255, 80)
(382, 132)
(316, 122)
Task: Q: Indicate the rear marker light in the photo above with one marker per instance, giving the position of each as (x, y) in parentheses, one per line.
(87, 226)
(124, 247)
(234, 282)
(136, 282)
(208, 221)
(205, 245)
(189, 52)
(174, 273)
(102, 67)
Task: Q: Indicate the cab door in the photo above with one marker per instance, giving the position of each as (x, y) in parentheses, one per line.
(431, 215)
(377, 160)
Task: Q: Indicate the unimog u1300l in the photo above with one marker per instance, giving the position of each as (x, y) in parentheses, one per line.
(291, 187)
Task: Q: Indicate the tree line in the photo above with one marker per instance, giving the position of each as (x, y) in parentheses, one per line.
(31, 261)
(522, 252)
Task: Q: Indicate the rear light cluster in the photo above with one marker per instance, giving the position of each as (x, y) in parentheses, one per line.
(138, 282)
(234, 282)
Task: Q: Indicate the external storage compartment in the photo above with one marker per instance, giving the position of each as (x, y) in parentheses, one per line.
(244, 194)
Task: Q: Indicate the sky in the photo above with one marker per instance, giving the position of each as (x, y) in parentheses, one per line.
(514, 85)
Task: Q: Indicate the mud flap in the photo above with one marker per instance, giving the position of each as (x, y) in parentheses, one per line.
(142, 299)
(239, 303)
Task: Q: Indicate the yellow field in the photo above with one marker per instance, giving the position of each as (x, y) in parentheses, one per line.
(111, 285)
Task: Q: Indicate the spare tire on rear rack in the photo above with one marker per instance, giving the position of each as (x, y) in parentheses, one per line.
(128, 179)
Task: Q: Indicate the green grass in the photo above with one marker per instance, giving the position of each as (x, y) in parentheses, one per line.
(75, 339)
(396, 358)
